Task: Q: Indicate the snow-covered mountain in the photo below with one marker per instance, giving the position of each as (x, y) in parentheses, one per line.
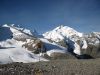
(65, 34)
(76, 42)
(22, 45)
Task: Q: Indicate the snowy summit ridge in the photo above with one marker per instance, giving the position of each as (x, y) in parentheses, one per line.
(60, 32)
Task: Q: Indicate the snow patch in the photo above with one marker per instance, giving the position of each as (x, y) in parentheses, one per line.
(84, 44)
(77, 49)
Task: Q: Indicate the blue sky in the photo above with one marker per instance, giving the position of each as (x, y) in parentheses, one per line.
(44, 15)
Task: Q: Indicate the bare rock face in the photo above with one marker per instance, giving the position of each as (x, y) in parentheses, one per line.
(62, 43)
(92, 50)
(95, 51)
(93, 46)
(34, 45)
(89, 47)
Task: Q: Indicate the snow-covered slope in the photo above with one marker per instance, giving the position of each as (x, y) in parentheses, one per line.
(11, 50)
(53, 47)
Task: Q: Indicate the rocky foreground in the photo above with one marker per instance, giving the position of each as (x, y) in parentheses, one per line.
(54, 67)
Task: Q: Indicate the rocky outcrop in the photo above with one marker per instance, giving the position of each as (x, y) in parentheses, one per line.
(92, 50)
(36, 46)
(93, 46)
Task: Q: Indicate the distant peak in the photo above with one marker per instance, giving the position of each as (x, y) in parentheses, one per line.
(60, 27)
(11, 25)
(63, 27)
(5, 25)
(16, 29)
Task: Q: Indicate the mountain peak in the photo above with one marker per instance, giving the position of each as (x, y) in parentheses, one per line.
(59, 27)
(67, 31)
(61, 32)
